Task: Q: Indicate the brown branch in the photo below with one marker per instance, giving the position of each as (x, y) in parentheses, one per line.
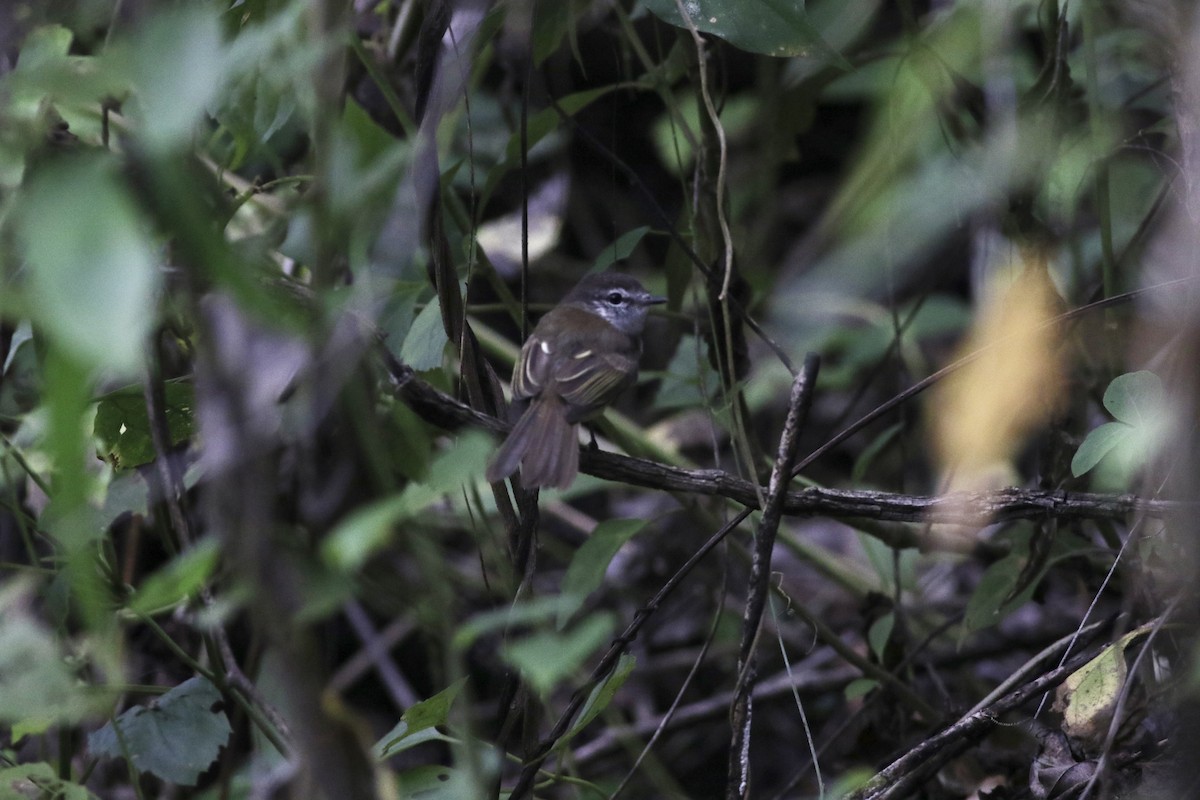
(741, 708)
(964, 508)
(900, 778)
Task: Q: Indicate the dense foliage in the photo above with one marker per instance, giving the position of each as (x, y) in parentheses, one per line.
(900, 506)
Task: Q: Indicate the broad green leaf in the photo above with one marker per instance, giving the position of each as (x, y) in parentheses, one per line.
(181, 578)
(586, 570)
(993, 598)
(177, 69)
(176, 738)
(1135, 397)
(1138, 401)
(601, 696)
(769, 27)
(547, 658)
(425, 343)
(419, 717)
(1099, 443)
(859, 688)
(1088, 697)
(122, 424)
(92, 273)
(38, 780)
(620, 249)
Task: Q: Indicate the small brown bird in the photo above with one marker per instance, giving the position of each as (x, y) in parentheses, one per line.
(583, 353)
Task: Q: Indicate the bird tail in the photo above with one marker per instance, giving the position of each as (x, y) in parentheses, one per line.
(543, 444)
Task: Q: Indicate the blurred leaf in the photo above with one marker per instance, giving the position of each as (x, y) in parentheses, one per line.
(92, 272)
(530, 612)
(181, 578)
(546, 658)
(368, 529)
(620, 249)
(1138, 401)
(123, 426)
(737, 114)
(880, 632)
(1135, 398)
(425, 344)
(1099, 443)
(859, 687)
(177, 737)
(417, 718)
(600, 697)
(549, 27)
(994, 596)
(770, 27)
(37, 689)
(586, 571)
(177, 68)
(38, 780)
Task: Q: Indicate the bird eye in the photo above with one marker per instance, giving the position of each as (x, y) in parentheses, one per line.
(615, 298)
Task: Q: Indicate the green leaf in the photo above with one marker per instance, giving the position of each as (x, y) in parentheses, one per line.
(122, 424)
(425, 343)
(38, 780)
(859, 687)
(177, 737)
(418, 718)
(37, 689)
(502, 619)
(92, 273)
(549, 27)
(181, 578)
(586, 571)
(546, 658)
(1099, 443)
(1138, 401)
(769, 27)
(601, 696)
(177, 69)
(541, 124)
(880, 632)
(368, 529)
(1134, 397)
(620, 249)
(1089, 696)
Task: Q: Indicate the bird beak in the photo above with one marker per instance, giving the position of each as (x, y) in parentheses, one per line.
(655, 300)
